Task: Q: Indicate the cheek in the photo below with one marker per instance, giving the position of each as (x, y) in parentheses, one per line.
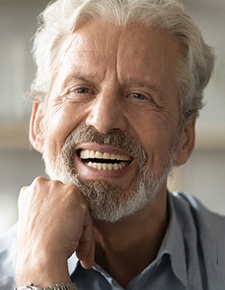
(60, 122)
(157, 142)
(55, 132)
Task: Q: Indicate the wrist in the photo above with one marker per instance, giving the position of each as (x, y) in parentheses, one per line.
(41, 270)
(60, 286)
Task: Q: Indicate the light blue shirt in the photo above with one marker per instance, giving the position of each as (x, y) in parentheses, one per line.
(191, 256)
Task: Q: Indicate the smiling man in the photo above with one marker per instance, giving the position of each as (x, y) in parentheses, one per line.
(118, 88)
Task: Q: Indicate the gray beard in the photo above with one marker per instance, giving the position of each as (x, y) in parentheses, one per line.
(108, 202)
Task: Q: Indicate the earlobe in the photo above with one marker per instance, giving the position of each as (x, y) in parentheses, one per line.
(36, 127)
(187, 141)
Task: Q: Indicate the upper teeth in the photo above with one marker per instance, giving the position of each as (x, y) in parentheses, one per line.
(86, 154)
(91, 154)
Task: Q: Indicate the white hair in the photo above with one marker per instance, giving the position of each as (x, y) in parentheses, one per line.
(63, 17)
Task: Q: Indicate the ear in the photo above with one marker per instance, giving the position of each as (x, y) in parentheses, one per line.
(187, 141)
(36, 127)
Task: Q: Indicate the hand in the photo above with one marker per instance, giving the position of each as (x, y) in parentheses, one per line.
(54, 222)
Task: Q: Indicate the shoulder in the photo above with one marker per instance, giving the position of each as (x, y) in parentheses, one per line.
(7, 258)
(206, 222)
(206, 230)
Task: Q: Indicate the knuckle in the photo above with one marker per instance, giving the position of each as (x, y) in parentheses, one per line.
(56, 183)
(22, 194)
(75, 198)
(22, 190)
(39, 179)
(38, 183)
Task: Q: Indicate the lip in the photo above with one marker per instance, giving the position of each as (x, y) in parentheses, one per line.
(90, 173)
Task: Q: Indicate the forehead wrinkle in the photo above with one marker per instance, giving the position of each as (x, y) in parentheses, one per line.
(90, 55)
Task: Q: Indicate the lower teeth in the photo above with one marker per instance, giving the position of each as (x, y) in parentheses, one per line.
(106, 166)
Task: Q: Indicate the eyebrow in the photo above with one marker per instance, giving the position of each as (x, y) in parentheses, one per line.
(130, 81)
(143, 83)
(79, 77)
(149, 85)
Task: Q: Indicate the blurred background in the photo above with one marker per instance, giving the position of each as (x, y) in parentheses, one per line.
(203, 175)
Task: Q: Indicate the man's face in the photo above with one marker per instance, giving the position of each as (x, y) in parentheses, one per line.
(115, 91)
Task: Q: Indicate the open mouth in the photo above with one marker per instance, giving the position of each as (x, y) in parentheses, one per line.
(104, 160)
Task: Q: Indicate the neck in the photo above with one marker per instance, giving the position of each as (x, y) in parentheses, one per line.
(127, 247)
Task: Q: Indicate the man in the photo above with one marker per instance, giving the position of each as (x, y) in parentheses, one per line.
(118, 88)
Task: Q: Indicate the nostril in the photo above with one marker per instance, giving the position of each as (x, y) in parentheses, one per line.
(105, 122)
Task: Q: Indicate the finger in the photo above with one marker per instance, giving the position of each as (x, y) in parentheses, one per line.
(89, 261)
(85, 248)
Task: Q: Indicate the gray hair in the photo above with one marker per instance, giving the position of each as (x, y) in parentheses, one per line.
(63, 17)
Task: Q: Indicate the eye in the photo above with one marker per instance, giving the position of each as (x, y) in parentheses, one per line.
(82, 90)
(141, 98)
(138, 96)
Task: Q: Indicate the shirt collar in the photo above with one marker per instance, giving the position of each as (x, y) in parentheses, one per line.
(72, 263)
(173, 245)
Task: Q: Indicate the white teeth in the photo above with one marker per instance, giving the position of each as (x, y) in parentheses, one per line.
(106, 155)
(85, 154)
(106, 166)
(98, 155)
(90, 154)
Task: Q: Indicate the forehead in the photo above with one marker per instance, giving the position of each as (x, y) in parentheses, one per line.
(134, 50)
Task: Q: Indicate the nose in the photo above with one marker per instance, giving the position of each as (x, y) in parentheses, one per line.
(106, 114)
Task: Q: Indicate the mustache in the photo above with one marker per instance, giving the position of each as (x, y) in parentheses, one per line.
(117, 139)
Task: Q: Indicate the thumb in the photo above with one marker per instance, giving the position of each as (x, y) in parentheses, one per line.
(86, 249)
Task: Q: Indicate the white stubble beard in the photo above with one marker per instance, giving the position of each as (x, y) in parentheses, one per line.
(108, 202)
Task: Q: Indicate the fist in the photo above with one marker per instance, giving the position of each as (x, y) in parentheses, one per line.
(54, 222)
